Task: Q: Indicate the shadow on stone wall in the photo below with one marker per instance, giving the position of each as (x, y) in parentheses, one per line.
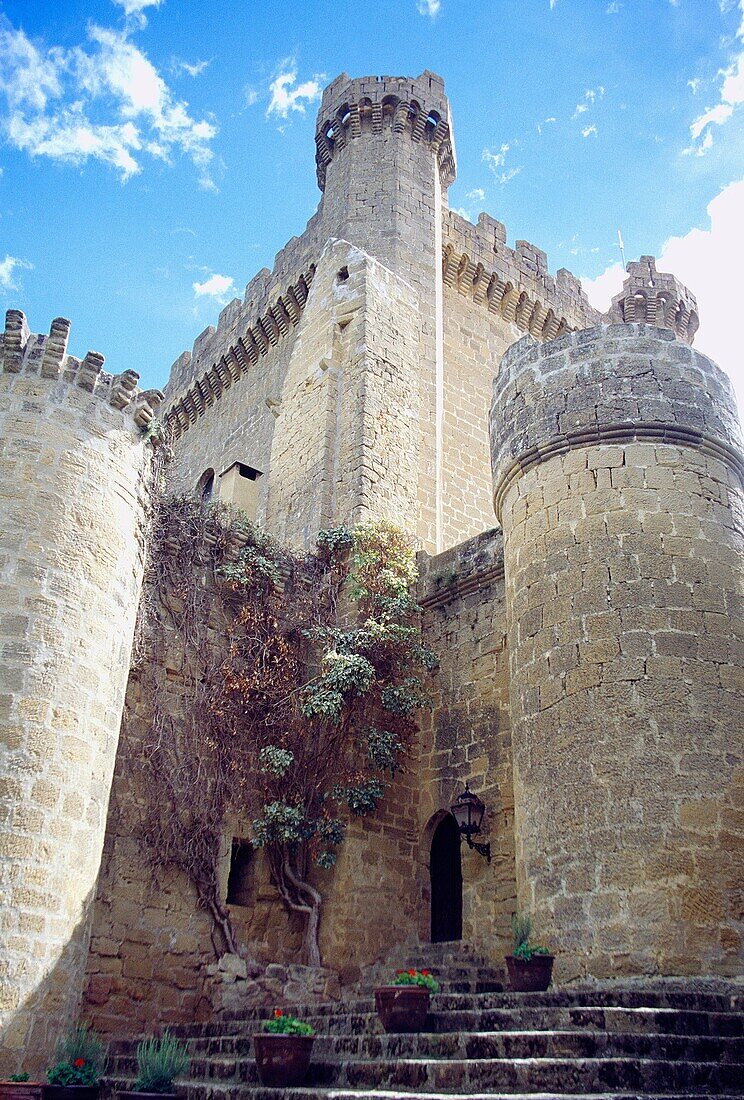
(29, 1033)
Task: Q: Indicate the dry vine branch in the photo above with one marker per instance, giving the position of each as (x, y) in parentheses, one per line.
(265, 700)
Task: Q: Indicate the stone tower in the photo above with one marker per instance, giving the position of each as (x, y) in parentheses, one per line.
(618, 477)
(72, 497)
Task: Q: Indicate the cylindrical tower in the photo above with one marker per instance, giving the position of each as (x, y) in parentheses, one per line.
(385, 152)
(72, 503)
(617, 466)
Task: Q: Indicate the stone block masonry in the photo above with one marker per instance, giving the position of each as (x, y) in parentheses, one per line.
(73, 501)
(618, 481)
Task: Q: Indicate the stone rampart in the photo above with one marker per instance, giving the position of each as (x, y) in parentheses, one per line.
(618, 481)
(511, 283)
(73, 497)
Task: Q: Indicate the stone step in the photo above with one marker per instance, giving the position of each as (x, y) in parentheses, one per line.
(611, 1018)
(554, 998)
(521, 1075)
(258, 1092)
(501, 1044)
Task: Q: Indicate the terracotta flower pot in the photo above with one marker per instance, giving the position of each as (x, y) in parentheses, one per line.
(530, 977)
(282, 1060)
(20, 1090)
(402, 1008)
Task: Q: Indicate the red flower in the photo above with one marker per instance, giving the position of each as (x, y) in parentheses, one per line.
(278, 1013)
(412, 973)
(400, 971)
(79, 1063)
(425, 973)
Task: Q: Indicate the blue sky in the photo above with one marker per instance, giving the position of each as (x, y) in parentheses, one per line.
(154, 156)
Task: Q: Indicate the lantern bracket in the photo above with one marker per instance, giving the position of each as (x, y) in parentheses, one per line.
(482, 849)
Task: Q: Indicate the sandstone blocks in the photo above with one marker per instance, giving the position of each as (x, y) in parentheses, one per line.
(618, 481)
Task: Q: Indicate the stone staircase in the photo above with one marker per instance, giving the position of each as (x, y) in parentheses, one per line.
(603, 1043)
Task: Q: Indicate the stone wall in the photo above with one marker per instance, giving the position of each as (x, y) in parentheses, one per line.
(618, 480)
(467, 736)
(73, 496)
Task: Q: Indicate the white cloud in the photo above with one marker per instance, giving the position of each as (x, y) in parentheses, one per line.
(708, 261)
(613, 8)
(496, 162)
(429, 7)
(135, 9)
(285, 97)
(694, 84)
(731, 96)
(191, 69)
(220, 287)
(7, 268)
(104, 100)
(591, 95)
(477, 195)
(588, 130)
(250, 94)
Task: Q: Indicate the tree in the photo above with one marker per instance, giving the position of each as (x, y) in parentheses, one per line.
(305, 674)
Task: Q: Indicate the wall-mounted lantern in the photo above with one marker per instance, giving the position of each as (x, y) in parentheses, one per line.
(468, 811)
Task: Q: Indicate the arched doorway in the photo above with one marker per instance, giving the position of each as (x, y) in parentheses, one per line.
(445, 869)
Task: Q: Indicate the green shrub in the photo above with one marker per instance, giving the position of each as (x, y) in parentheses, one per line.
(285, 1024)
(521, 933)
(159, 1062)
(81, 1058)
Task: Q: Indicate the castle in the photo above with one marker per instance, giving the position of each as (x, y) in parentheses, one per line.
(580, 578)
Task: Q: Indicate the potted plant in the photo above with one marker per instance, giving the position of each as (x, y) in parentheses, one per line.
(159, 1062)
(283, 1050)
(81, 1061)
(20, 1087)
(531, 966)
(404, 1005)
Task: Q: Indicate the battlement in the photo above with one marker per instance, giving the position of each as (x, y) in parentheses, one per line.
(514, 283)
(250, 342)
(656, 298)
(415, 107)
(24, 351)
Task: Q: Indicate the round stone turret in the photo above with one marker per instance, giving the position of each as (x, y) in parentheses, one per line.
(656, 298)
(73, 485)
(414, 108)
(618, 477)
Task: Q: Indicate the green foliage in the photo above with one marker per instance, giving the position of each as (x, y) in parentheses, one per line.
(336, 543)
(343, 675)
(404, 698)
(281, 824)
(81, 1058)
(160, 1061)
(361, 798)
(19, 1078)
(384, 748)
(252, 571)
(275, 761)
(521, 936)
(420, 978)
(282, 1024)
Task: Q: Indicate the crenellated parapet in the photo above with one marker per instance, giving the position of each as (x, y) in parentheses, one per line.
(655, 298)
(251, 341)
(415, 108)
(46, 355)
(512, 283)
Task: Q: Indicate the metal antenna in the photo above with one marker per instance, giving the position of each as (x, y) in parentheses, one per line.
(622, 248)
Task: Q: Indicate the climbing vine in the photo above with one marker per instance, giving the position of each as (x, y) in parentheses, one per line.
(298, 679)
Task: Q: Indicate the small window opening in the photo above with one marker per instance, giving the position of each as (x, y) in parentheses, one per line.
(248, 471)
(240, 879)
(343, 275)
(205, 485)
